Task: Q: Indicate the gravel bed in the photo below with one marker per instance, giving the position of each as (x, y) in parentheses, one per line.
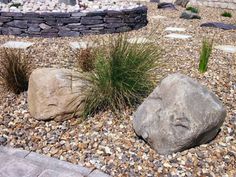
(55, 6)
(108, 142)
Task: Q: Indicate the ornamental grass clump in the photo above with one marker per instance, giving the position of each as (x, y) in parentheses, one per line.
(226, 14)
(15, 69)
(192, 9)
(122, 75)
(205, 54)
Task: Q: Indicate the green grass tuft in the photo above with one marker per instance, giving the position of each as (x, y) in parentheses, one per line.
(15, 69)
(122, 75)
(226, 14)
(205, 54)
(192, 9)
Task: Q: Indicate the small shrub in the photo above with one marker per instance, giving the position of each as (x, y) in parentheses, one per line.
(122, 75)
(85, 59)
(192, 9)
(15, 69)
(226, 14)
(205, 54)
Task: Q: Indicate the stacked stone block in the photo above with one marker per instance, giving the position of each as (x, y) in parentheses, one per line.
(55, 24)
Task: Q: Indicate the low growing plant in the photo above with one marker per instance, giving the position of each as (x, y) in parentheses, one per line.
(122, 75)
(192, 9)
(226, 14)
(206, 50)
(15, 69)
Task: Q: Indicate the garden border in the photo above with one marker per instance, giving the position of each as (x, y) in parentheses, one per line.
(59, 24)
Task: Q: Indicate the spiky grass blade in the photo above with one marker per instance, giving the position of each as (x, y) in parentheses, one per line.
(122, 76)
(15, 69)
(205, 54)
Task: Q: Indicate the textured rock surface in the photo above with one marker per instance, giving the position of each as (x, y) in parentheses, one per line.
(166, 5)
(189, 15)
(219, 25)
(60, 24)
(55, 94)
(182, 3)
(178, 114)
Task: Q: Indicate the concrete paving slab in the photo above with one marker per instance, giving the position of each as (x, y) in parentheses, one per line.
(17, 44)
(227, 48)
(15, 152)
(175, 29)
(178, 36)
(53, 173)
(19, 168)
(139, 40)
(82, 45)
(57, 165)
(97, 173)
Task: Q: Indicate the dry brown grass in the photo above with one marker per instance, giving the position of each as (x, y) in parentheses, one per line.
(15, 69)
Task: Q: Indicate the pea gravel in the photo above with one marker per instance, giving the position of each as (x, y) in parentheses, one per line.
(108, 142)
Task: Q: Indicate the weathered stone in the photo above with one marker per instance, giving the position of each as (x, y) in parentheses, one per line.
(55, 14)
(69, 20)
(68, 2)
(166, 5)
(17, 44)
(189, 15)
(44, 26)
(91, 20)
(219, 25)
(11, 14)
(11, 31)
(55, 94)
(18, 24)
(3, 140)
(5, 19)
(182, 3)
(5, 1)
(50, 30)
(178, 114)
(64, 33)
(34, 28)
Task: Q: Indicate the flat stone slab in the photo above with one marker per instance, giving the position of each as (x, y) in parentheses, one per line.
(157, 17)
(17, 44)
(175, 29)
(227, 48)
(178, 36)
(139, 40)
(82, 45)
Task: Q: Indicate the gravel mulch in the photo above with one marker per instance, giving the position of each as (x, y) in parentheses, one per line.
(108, 142)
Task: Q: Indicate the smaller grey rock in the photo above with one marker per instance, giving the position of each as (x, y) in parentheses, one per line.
(2, 140)
(165, 5)
(219, 25)
(189, 15)
(182, 3)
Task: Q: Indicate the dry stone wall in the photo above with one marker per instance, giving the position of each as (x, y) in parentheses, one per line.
(224, 4)
(55, 24)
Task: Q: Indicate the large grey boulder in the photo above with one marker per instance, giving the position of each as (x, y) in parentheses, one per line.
(55, 94)
(178, 114)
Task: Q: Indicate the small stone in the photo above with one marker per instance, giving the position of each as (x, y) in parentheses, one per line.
(2, 140)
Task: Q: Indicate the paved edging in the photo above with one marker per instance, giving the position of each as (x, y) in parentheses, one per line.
(21, 163)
